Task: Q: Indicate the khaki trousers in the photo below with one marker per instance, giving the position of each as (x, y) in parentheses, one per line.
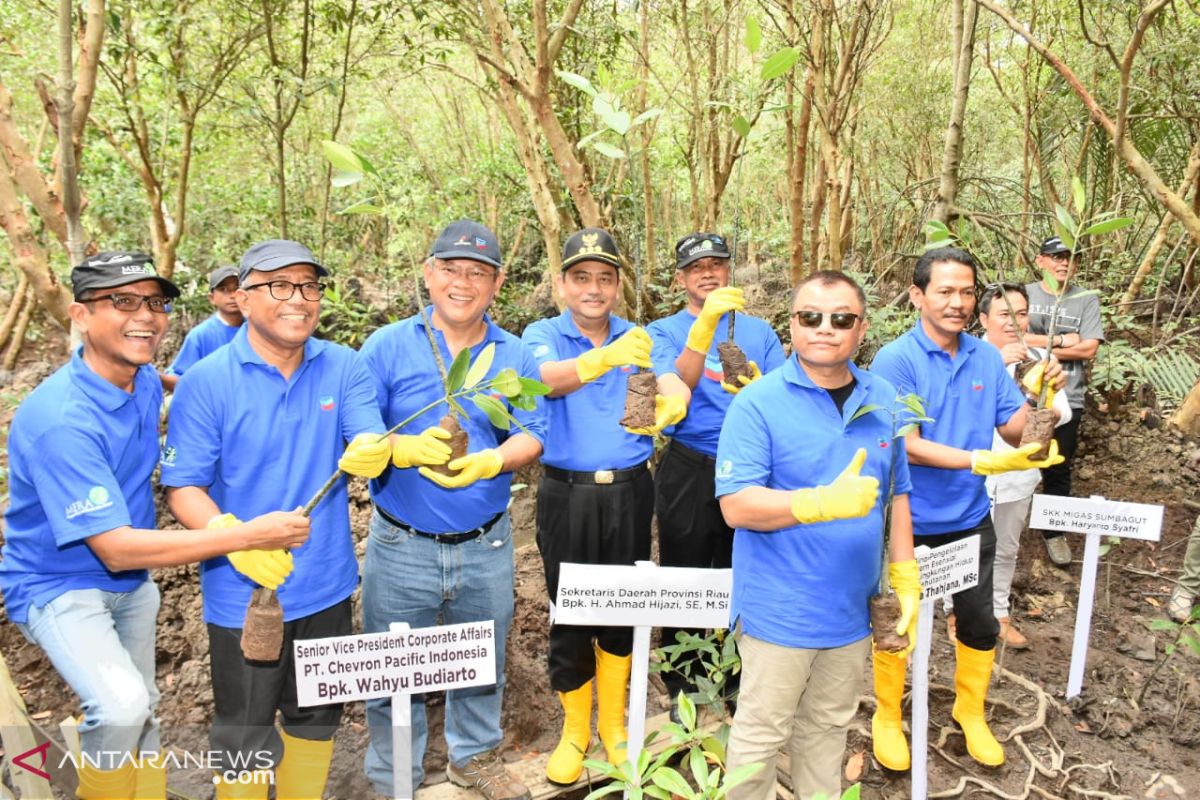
(800, 698)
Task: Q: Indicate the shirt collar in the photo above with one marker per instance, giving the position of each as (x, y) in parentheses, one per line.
(569, 328)
(794, 373)
(494, 332)
(966, 343)
(99, 390)
(248, 355)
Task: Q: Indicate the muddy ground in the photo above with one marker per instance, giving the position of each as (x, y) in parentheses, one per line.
(1108, 745)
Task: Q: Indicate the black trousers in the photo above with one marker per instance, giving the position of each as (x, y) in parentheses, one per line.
(691, 530)
(246, 694)
(590, 524)
(977, 627)
(1056, 480)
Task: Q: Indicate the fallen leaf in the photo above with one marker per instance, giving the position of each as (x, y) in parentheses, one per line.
(1152, 601)
(854, 765)
(41, 715)
(1082, 727)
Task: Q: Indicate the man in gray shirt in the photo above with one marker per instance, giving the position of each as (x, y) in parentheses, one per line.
(1077, 336)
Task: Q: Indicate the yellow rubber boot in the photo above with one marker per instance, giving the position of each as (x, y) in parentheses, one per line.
(972, 675)
(254, 786)
(612, 683)
(151, 780)
(107, 784)
(887, 730)
(566, 762)
(302, 773)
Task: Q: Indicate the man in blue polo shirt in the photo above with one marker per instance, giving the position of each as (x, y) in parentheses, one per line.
(970, 396)
(799, 470)
(597, 496)
(79, 527)
(441, 546)
(261, 423)
(216, 331)
(691, 530)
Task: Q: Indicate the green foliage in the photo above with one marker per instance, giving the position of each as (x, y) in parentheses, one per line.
(1172, 374)
(707, 662)
(1117, 365)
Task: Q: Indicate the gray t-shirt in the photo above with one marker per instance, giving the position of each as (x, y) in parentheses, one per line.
(1076, 315)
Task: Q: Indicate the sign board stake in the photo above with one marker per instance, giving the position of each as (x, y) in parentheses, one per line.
(920, 700)
(639, 679)
(402, 788)
(1083, 614)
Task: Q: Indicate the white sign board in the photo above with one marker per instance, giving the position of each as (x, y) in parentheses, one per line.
(340, 669)
(1105, 517)
(950, 568)
(672, 597)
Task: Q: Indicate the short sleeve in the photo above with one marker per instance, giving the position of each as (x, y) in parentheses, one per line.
(891, 365)
(76, 486)
(665, 349)
(1091, 326)
(774, 351)
(360, 406)
(540, 338)
(744, 449)
(193, 445)
(373, 358)
(188, 355)
(1009, 397)
(535, 422)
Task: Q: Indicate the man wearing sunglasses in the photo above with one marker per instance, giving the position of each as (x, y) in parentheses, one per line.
(969, 395)
(80, 535)
(799, 468)
(691, 530)
(1077, 337)
(263, 422)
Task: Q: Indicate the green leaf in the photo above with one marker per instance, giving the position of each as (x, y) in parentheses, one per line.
(699, 767)
(1107, 226)
(578, 81)
(608, 108)
(1078, 194)
(779, 63)
(713, 746)
(646, 116)
(864, 410)
(913, 403)
(687, 712)
(458, 370)
(523, 402)
(657, 792)
(367, 166)
(1162, 625)
(607, 789)
(480, 367)
(606, 149)
(1050, 280)
(670, 779)
(753, 35)
(341, 157)
(937, 234)
(585, 141)
(853, 793)
(507, 382)
(905, 430)
(619, 121)
(741, 126)
(1065, 226)
(341, 178)
(362, 207)
(530, 386)
(497, 414)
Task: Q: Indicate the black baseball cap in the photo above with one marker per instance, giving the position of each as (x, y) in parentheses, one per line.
(590, 244)
(114, 268)
(695, 246)
(468, 239)
(220, 275)
(1053, 246)
(275, 254)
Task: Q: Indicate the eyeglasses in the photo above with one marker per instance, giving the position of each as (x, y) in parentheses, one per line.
(284, 290)
(131, 303)
(473, 274)
(841, 320)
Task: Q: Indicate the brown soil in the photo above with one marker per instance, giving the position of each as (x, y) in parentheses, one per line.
(885, 616)
(459, 442)
(262, 630)
(733, 363)
(640, 391)
(1039, 427)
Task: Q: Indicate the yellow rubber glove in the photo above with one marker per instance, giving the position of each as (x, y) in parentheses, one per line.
(1033, 383)
(905, 580)
(849, 496)
(267, 568)
(631, 348)
(992, 462)
(425, 448)
(668, 410)
(718, 303)
(471, 467)
(743, 381)
(366, 456)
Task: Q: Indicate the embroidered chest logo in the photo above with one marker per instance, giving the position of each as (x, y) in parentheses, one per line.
(327, 403)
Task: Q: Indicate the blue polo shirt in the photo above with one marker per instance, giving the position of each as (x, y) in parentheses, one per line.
(80, 455)
(202, 340)
(584, 426)
(406, 379)
(701, 427)
(968, 397)
(258, 443)
(807, 585)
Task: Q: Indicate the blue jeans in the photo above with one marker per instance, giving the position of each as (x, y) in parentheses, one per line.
(413, 579)
(102, 644)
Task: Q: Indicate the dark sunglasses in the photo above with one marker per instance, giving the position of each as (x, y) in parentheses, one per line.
(841, 320)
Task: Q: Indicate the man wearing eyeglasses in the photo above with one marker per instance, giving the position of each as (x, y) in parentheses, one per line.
(969, 396)
(263, 422)
(80, 535)
(1077, 337)
(691, 530)
(216, 331)
(440, 546)
(800, 463)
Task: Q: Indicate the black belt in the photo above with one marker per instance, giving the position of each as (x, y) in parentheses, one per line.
(443, 538)
(600, 477)
(694, 456)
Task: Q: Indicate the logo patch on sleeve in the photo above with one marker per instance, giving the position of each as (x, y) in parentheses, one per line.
(97, 499)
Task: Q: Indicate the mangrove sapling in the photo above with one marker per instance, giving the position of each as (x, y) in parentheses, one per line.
(906, 415)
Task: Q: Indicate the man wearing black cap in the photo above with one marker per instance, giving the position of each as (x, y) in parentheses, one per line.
(440, 546)
(597, 497)
(691, 530)
(1077, 337)
(263, 422)
(79, 532)
(216, 331)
